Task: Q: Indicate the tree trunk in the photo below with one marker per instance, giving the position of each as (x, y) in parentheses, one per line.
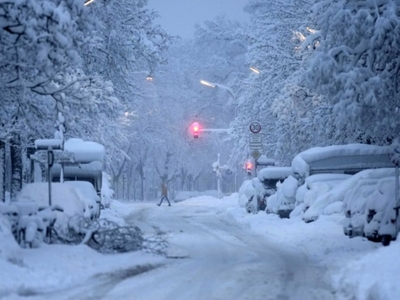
(2, 170)
(142, 180)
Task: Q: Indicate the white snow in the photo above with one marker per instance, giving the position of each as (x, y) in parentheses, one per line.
(85, 151)
(274, 173)
(341, 156)
(358, 269)
(63, 195)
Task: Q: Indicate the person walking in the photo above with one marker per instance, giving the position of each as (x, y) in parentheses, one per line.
(164, 194)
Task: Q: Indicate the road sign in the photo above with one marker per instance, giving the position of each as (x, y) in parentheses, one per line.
(255, 154)
(255, 138)
(255, 141)
(255, 127)
(228, 172)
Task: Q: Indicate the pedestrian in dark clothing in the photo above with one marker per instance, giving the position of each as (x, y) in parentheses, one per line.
(164, 194)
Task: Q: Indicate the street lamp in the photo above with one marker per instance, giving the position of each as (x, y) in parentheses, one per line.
(214, 85)
(87, 2)
(255, 70)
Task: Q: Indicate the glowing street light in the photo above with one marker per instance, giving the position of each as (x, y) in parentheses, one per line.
(208, 83)
(255, 70)
(214, 85)
(87, 2)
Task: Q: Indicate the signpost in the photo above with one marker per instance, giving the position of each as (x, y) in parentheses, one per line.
(255, 142)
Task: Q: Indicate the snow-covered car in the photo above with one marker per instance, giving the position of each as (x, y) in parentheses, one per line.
(285, 200)
(65, 196)
(313, 197)
(380, 222)
(265, 185)
(89, 195)
(361, 197)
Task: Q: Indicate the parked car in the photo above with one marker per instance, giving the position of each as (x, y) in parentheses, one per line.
(65, 196)
(89, 195)
(265, 185)
(366, 201)
(380, 221)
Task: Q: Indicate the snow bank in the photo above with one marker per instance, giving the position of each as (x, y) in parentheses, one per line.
(184, 195)
(374, 276)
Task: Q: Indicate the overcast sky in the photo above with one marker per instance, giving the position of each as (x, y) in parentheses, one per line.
(178, 17)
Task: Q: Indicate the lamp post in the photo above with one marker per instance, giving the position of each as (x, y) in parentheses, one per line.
(214, 85)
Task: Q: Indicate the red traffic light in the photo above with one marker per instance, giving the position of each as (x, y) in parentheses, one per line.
(249, 166)
(196, 129)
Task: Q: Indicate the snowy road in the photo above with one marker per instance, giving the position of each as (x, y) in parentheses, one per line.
(216, 251)
(210, 256)
(214, 257)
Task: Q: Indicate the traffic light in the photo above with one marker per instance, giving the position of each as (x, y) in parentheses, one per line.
(196, 129)
(249, 168)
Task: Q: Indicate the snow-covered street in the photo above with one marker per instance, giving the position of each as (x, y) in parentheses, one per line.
(216, 251)
(222, 259)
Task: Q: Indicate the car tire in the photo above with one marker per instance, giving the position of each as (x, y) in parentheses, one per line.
(386, 239)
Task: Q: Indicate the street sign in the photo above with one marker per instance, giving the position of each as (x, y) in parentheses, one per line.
(255, 138)
(228, 172)
(255, 154)
(255, 127)
(255, 141)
